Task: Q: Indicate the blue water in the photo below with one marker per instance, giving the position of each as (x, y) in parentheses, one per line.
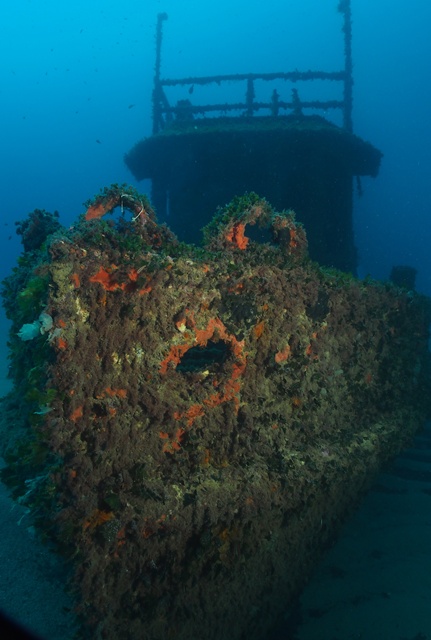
(75, 95)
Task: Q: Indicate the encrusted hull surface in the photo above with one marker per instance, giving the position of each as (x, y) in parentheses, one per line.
(197, 422)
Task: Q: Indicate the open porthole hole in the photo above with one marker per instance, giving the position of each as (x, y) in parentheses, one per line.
(210, 357)
(260, 235)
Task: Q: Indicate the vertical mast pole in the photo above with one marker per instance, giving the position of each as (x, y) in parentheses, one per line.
(345, 8)
(157, 90)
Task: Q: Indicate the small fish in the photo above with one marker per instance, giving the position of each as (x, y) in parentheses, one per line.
(130, 106)
(98, 142)
(191, 89)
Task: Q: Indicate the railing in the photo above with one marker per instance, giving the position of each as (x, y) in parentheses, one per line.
(164, 113)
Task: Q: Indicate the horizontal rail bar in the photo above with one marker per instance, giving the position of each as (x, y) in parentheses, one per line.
(293, 76)
(311, 104)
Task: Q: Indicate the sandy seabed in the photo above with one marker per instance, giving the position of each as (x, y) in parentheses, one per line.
(374, 584)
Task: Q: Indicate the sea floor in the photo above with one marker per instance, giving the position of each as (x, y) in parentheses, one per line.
(374, 584)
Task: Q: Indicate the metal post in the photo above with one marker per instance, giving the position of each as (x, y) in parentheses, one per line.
(157, 91)
(249, 97)
(344, 7)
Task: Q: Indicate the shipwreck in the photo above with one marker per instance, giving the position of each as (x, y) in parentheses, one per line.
(190, 424)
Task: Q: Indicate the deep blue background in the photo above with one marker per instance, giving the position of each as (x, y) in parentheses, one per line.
(77, 73)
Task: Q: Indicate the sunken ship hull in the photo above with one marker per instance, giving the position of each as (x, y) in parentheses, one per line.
(196, 423)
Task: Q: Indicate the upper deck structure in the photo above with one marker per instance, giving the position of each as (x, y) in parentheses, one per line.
(201, 155)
